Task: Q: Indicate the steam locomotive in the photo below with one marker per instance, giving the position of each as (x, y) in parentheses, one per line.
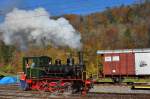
(39, 73)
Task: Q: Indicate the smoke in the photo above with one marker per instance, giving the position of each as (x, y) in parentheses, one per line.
(36, 27)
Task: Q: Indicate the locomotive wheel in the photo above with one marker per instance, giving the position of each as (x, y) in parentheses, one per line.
(62, 88)
(42, 86)
(84, 93)
(46, 86)
(68, 88)
(39, 86)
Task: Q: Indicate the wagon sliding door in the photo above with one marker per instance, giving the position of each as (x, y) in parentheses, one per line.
(142, 63)
(127, 64)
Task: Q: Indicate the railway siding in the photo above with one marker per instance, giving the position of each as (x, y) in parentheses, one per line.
(99, 92)
(102, 88)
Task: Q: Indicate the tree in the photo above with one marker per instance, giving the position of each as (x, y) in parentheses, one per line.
(127, 39)
(6, 53)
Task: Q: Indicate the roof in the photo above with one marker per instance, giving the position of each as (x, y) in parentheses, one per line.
(146, 50)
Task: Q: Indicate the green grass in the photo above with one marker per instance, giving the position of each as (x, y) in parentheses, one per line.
(7, 70)
(138, 80)
(104, 80)
(6, 74)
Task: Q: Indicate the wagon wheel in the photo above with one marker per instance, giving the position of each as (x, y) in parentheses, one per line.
(117, 79)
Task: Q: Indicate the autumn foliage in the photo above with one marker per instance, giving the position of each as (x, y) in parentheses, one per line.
(121, 27)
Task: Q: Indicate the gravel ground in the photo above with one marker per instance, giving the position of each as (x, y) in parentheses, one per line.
(14, 92)
(116, 89)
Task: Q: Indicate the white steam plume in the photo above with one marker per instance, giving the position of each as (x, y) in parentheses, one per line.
(35, 27)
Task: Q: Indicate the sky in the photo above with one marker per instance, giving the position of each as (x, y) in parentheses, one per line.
(60, 7)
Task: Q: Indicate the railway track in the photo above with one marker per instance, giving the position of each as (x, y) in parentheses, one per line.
(13, 92)
(77, 96)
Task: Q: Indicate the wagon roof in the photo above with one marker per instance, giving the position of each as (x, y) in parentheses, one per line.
(145, 50)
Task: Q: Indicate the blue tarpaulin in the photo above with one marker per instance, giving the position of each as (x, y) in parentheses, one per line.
(8, 80)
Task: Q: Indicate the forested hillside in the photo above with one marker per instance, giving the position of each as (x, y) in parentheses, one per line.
(117, 28)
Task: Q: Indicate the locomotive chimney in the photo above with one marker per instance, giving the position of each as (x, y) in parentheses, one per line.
(81, 58)
(70, 60)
